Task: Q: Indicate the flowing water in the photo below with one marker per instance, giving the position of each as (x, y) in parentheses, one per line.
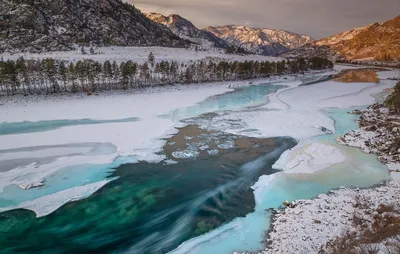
(200, 199)
(152, 207)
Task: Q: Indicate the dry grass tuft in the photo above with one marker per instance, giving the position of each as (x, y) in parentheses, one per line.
(380, 236)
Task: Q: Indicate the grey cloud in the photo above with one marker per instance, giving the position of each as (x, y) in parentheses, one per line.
(317, 18)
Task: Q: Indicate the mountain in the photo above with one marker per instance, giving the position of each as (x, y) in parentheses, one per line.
(260, 40)
(379, 41)
(48, 25)
(185, 29)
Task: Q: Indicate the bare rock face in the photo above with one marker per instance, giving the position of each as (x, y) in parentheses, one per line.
(49, 25)
(260, 40)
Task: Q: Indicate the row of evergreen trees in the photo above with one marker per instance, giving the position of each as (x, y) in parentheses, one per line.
(53, 76)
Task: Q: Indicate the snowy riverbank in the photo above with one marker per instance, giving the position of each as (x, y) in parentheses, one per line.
(346, 215)
(379, 133)
(311, 224)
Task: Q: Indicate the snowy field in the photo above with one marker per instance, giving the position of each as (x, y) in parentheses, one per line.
(88, 153)
(140, 55)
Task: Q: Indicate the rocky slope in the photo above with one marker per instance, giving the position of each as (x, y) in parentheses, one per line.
(379, 133)
(260, 40)
(379, 41)
(48, 25)
(185, 29)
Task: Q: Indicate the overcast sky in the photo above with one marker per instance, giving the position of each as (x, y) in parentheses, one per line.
(317, 18)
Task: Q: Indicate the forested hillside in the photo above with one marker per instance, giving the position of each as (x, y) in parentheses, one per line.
(49, 25)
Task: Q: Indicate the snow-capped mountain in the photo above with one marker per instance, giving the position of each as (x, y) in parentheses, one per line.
(185, 29)
(260, 40)
(44, 25)
(379, 41)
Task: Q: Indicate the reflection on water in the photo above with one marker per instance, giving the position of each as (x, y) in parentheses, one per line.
(29, 127)
(358, 75)
(152, 208)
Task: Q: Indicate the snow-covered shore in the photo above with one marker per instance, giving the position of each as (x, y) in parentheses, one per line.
(379, 134)
(311, 224)
(307, 226)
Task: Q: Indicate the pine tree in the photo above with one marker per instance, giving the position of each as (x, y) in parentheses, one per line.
(62, 72)
(71, 77)
(145, 72)
(108, 74)
(124, 75)
(23, 76)
(51, 72)
(115, 71)
(151, 59)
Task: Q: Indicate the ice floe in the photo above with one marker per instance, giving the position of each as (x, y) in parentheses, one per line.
(47, 204)
(309, 158)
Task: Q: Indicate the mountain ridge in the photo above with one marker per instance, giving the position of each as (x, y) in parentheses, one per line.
(260, 40)
(186, 29)
(50, 25)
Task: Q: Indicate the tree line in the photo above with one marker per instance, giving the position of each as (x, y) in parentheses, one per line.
(54, 76)
(377, 64)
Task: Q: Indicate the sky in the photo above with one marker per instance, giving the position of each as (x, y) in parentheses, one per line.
(316, 18)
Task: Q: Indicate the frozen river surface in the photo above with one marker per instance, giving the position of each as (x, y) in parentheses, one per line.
(188, 170)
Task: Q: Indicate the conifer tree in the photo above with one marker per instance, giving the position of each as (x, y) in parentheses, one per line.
(151, 59)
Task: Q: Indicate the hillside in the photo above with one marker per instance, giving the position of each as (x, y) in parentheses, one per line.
(260, 40)
(185, 29)
(49, 25)
(379, 41)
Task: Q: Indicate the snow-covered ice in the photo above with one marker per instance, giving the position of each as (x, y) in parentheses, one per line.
(309, 158)
(141, 140)
(45, 205)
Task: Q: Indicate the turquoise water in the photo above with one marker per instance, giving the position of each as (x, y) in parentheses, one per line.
(153, 207)
(40, 126)
(63, 179)
(248, 234)
(238, 99)
(150, 207)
